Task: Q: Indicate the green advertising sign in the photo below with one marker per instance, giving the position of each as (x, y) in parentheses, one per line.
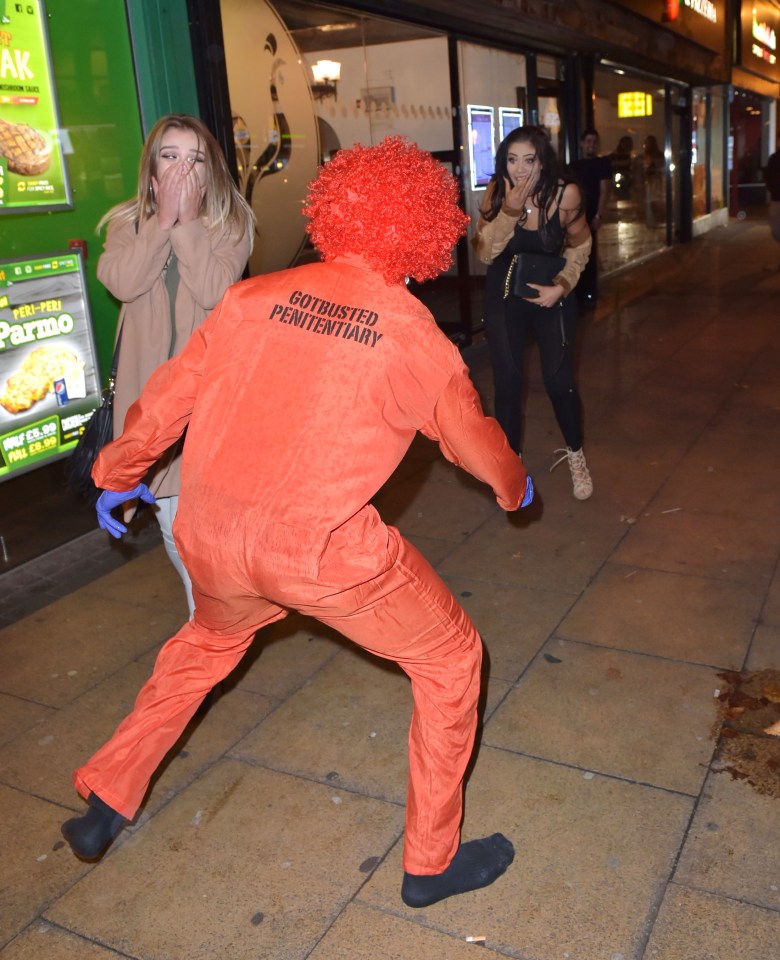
(32, 166)
(49, 386)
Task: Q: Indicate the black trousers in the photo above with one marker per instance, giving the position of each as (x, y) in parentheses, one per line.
(510, 324)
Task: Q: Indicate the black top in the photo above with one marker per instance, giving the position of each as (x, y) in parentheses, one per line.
(590, 171)
(530, 241)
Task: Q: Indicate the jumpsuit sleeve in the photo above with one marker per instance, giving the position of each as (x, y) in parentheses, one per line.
(208, 263)
(475, 442)
(159, 417)
(132, 261)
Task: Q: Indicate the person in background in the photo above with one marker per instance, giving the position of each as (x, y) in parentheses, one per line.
(530, 206)
(293, 380)
(623, 168)
(594, 175)
(170, 253)
(772, 181)
(653, 169)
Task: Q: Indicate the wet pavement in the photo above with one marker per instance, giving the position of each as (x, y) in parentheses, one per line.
(632, 642)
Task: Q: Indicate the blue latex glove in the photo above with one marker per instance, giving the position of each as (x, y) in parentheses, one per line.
(529, 492)
(109, 499)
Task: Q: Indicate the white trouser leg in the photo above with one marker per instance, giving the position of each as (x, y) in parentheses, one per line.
(165, 511)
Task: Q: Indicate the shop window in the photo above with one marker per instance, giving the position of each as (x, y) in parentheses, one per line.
(305, 81)
(494, 81)
(718, 120)
(699, 152)
(630, 118)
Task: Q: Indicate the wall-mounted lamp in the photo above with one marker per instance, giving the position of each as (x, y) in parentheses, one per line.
(327, 74)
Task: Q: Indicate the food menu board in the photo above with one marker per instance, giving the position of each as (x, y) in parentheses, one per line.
(32, 166)
(49, 381)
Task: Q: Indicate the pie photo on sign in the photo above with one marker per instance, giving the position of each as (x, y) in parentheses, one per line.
(35, 379)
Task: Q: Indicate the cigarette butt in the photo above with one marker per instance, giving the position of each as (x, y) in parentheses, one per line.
(475, 939)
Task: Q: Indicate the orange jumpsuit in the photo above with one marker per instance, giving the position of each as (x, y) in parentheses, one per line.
(301, 393)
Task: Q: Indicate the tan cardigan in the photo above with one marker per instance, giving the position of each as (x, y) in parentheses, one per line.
(132, 267)
(492, 236)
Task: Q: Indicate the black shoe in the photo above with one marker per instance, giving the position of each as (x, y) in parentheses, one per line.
(90, 835)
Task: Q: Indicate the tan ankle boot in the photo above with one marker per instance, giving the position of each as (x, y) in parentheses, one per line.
(582, 485)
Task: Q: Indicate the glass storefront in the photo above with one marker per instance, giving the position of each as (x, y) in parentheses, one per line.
(748, 194)
(629, 113)
(323, 78)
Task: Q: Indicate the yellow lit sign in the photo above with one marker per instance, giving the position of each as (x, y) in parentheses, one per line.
(635, 104)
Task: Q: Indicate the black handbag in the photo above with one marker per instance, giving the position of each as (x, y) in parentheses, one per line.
(525, 268)
(98, 432)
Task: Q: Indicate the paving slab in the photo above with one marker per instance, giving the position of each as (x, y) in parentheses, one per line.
(731, 848)
(59, 652)
(434, 549)
(451, 510)
(42, 759)
(765, 649)
(631, 716)
(284, 656)
(701, 544)
(149, 581)
(694, 924)
(347, 726)
(244, 863)
(17, 715)
(361, 932)
(771, 612)
(593, 855)
(44, 941)
(513, 621)
(522, 550)
(37, 863)
(683, 617)
(708, 475)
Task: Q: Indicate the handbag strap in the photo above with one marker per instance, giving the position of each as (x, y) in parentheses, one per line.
(108, 393)
(172, 286)
(508, 279)
(115, 359)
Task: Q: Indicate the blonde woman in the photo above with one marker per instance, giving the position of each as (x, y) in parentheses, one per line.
(169, 255)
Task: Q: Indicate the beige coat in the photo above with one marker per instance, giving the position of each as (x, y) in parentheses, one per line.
(492, 237)
(132, 268)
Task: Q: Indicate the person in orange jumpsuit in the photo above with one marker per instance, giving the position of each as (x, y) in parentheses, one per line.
(301, 393)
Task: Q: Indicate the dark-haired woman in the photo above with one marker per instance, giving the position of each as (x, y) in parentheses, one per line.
(531, 207)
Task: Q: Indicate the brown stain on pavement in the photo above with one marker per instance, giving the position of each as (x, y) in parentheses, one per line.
(748, 703)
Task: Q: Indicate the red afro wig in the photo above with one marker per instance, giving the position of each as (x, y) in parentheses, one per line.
(392, 204)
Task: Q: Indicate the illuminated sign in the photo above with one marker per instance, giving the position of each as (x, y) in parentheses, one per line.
(509, 119)
(49, 386)
(705, 8)
(702, 21)
(760, 24)
(32, 168)
(481, 151)
(635, 103)
(765, 46)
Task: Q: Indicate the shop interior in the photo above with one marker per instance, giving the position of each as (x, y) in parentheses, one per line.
(327, 78)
